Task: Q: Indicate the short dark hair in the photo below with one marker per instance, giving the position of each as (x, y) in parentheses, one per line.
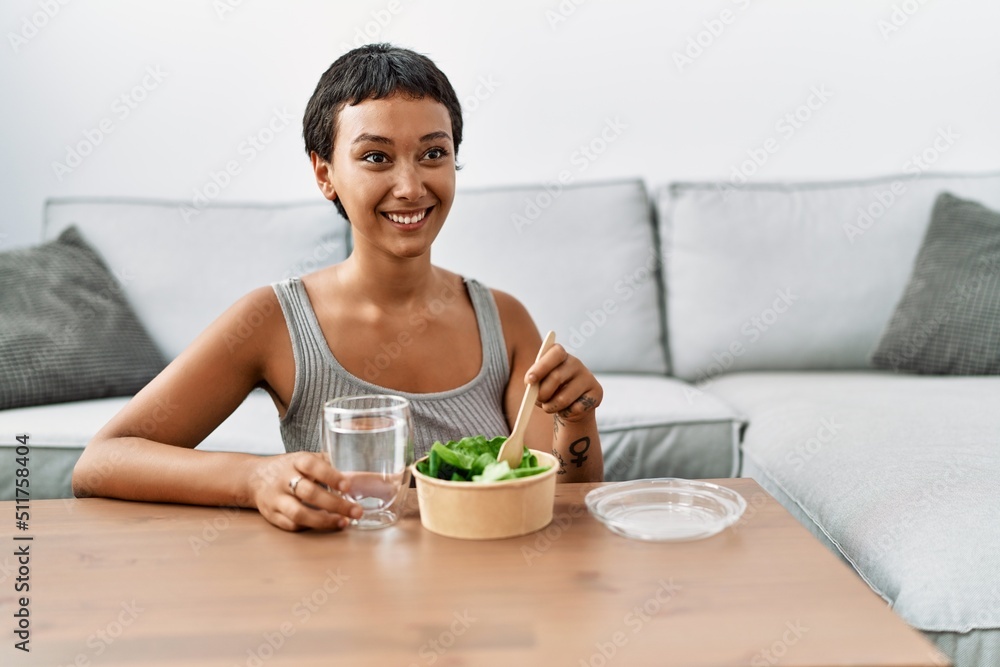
(374, 72)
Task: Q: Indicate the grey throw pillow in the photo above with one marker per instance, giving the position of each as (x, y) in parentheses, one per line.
(66, 331)
(948, 320)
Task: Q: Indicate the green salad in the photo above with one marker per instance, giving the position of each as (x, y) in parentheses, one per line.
(474, 459)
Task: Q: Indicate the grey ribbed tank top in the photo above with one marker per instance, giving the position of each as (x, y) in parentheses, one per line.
(472, 409)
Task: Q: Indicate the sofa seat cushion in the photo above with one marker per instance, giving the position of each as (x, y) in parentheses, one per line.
(58, 433)
(899, 473)
(664, 427)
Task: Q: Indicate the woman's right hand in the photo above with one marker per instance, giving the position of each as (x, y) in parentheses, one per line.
(308, 504)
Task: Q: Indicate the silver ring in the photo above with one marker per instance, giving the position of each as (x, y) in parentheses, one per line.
(293, 482)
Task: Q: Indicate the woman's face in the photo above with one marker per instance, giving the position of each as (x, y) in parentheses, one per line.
(393, 169)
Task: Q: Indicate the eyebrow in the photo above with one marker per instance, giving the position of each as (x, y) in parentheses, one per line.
(374, 138)
(435, 135)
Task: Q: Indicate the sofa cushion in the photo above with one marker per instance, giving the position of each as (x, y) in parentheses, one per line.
(58, 434)
(581, 258)
(948, 321)
(792, 276)
(181, 267)
(896, 472)
(66, 331)
(664, 427)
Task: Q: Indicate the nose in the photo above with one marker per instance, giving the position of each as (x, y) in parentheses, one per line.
(409, 183)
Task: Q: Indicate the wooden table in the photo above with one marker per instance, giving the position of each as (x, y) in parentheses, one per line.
(121, 583)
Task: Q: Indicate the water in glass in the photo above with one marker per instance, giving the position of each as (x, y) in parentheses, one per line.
(368, 439)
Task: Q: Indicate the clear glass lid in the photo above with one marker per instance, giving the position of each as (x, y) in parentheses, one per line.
(665, 509)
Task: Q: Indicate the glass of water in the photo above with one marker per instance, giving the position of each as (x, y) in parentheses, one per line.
(369, 439)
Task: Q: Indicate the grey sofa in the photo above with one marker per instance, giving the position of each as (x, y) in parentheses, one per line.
(731, 328)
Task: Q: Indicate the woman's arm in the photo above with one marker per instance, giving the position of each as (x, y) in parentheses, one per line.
(146, 452)
(568, 395)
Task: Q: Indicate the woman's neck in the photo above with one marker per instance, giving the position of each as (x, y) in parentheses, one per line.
(391, 282)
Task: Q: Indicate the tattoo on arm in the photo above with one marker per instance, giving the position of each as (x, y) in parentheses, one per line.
(557, 421)
(586, 401)
(579, 449)
(562, 463)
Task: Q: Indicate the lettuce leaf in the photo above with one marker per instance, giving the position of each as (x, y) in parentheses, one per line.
(474, 459)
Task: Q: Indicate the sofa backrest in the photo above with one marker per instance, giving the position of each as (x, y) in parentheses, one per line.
(180, 267)
(582, 258)
(792, 276)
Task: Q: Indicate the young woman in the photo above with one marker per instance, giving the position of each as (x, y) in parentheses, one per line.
(382, 131)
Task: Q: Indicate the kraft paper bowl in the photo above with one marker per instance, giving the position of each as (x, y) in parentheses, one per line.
(488, 510)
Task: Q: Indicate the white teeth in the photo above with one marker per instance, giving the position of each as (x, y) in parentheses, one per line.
(407, 219)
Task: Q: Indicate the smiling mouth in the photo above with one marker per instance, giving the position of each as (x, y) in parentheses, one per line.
(408, 218)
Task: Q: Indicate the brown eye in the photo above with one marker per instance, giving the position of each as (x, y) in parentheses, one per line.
(376, 158)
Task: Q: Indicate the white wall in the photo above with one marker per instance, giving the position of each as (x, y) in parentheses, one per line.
(556, 85)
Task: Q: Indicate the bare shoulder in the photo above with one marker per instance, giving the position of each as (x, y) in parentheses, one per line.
(210, 378)
(511, 309)
(519, 328)
(454, 282)
(248, 326)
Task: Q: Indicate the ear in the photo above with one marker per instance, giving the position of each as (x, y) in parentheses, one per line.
(323, 171)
